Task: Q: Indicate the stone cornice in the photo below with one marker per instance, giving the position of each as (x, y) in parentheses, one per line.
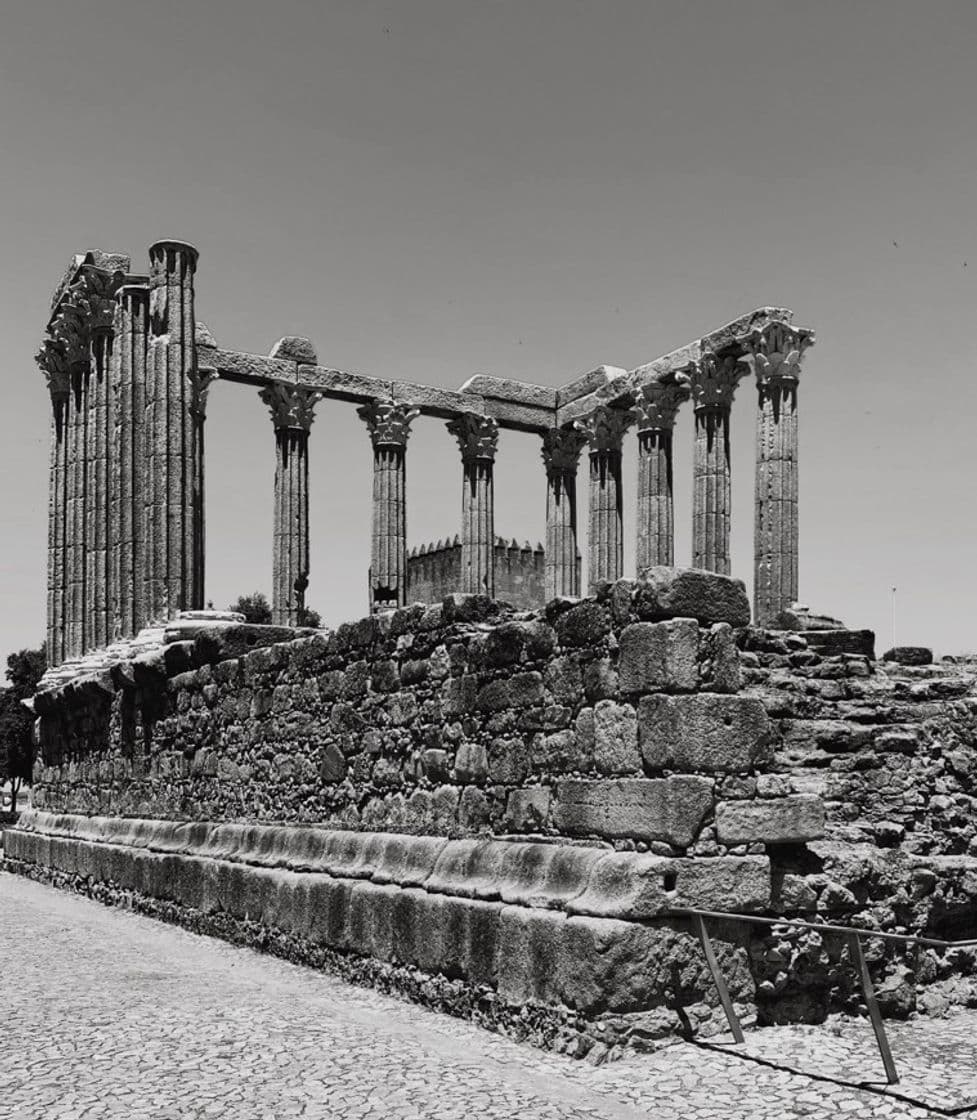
(561, 449)
(477, 436)
(291, 407)
(604, 428)
(388, 422)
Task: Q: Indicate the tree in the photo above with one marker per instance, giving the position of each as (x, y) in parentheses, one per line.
(308, 617)
(254, 607)
(24, 669)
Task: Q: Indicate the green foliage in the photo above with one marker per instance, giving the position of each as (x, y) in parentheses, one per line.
(255, 607)
(24, 670)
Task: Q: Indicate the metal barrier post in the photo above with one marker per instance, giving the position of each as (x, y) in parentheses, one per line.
(855, 947)
(734, 1024)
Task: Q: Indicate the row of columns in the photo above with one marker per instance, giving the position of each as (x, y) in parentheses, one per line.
(125, 526)
(711, 383)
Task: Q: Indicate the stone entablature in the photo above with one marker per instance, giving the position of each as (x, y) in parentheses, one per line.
(128, 367)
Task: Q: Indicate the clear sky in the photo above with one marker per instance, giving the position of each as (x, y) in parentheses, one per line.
(434, 188)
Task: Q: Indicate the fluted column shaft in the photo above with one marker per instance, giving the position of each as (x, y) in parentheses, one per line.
(775, 542)
(292, 410)
(561, 457)
(775, 353)
(77, 477)
(656, 406)
(656, 531)
(129, 523)
(389, 426)
(711, 490)
(604, 431)
(174, 493)
(99, 507)
(713, 384)
(56, 519)
(477, 438)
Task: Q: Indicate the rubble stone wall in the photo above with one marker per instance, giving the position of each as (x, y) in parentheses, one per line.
(589, 721)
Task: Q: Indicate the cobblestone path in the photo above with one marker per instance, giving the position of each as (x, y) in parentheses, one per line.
(116, 1015)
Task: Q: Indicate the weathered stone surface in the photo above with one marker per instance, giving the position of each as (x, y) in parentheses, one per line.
(662, 593)
(616, 738)
(527, 809)
(909, 655)
(705, 732)
(669, 809)
(830, 642)
(659, 656)
(737, 883)
(292, 348)
(780, 820)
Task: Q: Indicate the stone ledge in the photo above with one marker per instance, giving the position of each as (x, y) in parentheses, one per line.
(575, 879)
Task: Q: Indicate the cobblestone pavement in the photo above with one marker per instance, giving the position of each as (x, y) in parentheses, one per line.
(120, 1016)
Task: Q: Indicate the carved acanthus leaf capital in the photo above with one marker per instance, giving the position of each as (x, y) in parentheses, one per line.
(92, 297)
(51, 357)
(388, 422)
(775, 353)
(477, 436)
(604, 428)
(561, 449)
(714, 379)
(291, 406)
(656, 404)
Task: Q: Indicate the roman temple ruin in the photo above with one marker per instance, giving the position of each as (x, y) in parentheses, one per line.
(128, 367)
(592, 820)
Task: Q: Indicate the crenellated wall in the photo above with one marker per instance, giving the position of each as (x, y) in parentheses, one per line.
(434, 572)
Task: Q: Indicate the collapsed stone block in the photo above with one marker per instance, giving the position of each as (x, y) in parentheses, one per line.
(661, 593)
(704, 732)
(670, 809)
(659, 656)
(776, 820)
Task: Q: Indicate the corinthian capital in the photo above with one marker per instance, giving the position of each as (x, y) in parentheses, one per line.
(52, 359)
(604, 428)
(657, 403)
(291, 406)
(714, 379)
(561, 449)
(388, 422)
(477, 436)
(92, 298)
(775, 352)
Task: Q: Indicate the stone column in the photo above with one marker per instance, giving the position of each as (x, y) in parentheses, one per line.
(478, 439)
(561, 455)
(173, 490)
(389, 426)
(52, 362)
(604, 430)
(292, 409)
(656, 406)
(775, 354)
(99, 506)
(714, 381)
(129, 526)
